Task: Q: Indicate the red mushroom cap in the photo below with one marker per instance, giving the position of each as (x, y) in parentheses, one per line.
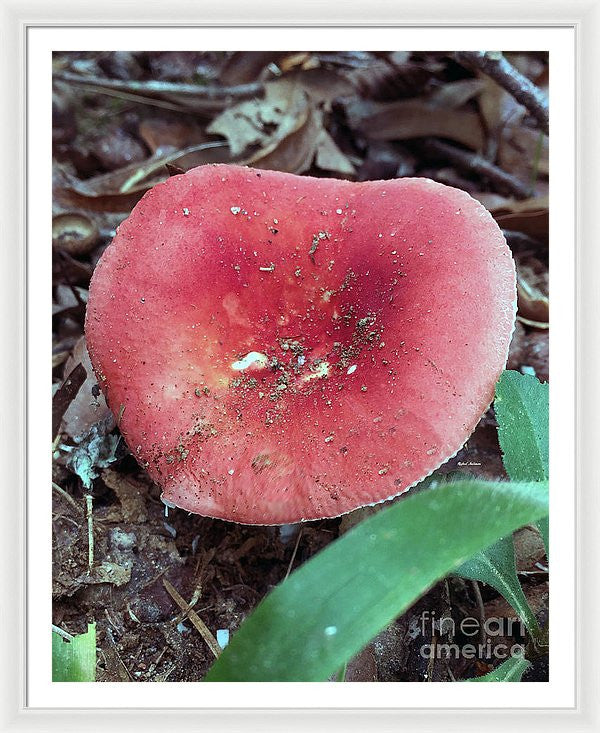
(284, 348)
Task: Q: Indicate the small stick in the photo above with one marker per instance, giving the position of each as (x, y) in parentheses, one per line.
(495, 65)
(67, 497)
(201, 627)
(65, 634)
(481, 610)
(239, 91)
(473, 163)
(88, 514)
(289, 570)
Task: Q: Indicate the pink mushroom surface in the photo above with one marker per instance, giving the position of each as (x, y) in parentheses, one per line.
(283, 348)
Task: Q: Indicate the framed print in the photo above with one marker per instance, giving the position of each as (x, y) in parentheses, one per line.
(307, 442)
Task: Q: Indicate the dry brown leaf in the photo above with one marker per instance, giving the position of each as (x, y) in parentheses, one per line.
(89, 405)
(132, 495)
(120, 190)
(295, 152)
(416, 118)
(533, 223)
(383, 80)
(529, 548)
(159, 134)
(518, 149)
(497, 106)
(330, 158)
(263, 122)
(455, 94)
(529, 216)
(322, 85)
(92, 194)
(246, 66)
(532, 290)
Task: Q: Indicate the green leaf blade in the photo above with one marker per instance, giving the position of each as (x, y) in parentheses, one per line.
(74, 661)
(496, 566)
(512, 670)
(522, 412)
(326, 611)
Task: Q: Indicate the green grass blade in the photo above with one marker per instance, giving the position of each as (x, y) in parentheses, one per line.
(521, 407)
(326, 611)
(496, 566)
(512, 670)
(74, 661)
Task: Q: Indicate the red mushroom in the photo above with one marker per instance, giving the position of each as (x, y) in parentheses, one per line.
(282, 348)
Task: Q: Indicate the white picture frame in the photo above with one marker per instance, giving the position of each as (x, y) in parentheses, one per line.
(23, 392)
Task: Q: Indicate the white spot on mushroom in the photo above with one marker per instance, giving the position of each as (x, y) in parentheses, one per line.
(253, 358)
(339, 211)
(352, 369)
(186, 211)
(235, 210)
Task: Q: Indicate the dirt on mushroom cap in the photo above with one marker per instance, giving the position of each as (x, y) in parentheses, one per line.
(290, 348)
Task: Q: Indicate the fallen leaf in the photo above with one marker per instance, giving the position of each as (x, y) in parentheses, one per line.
(132, 495)
(263, 122)
(246, 66)
(120, 190)
(529, 548)
(160, 134)
(65, 395)
(107, 572)
(532, 289)
(524, 152)
(498, 107)
(330, 158)
(295, 152)
(89, 405)
(455, 94)
(408, 119)
(381, 80)
(323, 86)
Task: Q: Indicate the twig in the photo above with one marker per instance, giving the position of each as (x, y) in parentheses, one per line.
(201, 627)
(473, 163)
(67, 497)
(65, 634)
(240, 91)
(495, 65)
(481, 610)
(88, 514)
(289, 570)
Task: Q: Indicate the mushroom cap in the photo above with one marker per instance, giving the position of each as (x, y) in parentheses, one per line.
(282, 348)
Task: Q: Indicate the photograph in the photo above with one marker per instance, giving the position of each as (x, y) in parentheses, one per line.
(300, 366)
